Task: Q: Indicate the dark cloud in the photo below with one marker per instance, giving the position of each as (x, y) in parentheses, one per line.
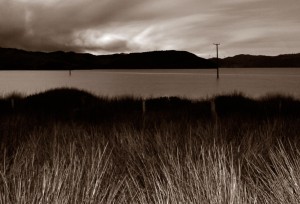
(13, 27)
(108, 26)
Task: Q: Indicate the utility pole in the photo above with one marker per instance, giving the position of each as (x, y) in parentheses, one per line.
(217, 47)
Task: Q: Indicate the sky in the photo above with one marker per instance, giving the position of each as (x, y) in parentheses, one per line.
(259, 27)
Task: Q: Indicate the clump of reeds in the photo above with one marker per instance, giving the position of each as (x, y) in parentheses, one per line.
(161, 156)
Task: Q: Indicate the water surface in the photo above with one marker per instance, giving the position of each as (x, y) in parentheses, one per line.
(189, 83)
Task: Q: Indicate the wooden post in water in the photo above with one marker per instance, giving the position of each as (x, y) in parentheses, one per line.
(217, 49)
(70, 72)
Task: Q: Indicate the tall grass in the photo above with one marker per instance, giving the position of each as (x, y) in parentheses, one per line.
(163, 158)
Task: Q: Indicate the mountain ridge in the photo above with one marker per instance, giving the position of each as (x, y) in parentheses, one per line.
(14, 59)
(260, 61)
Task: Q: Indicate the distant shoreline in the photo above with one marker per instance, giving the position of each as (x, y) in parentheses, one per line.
(14, 59)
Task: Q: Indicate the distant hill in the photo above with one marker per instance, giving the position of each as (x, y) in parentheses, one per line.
(239, 61)
(14, 59)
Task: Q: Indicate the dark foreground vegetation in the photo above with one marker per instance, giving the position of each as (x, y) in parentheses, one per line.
(68, 146)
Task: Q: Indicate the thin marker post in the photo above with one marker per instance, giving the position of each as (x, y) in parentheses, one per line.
(217, 48)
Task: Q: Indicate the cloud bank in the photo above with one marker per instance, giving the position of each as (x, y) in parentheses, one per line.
(109, 26)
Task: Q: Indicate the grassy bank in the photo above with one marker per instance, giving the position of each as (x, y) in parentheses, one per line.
(68, 146)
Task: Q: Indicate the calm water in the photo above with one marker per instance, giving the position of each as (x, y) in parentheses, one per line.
(253, 82)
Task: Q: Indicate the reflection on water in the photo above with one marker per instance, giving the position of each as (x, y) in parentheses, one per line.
(146, 83)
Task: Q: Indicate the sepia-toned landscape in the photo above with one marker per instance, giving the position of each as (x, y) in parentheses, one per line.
(159, 102)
